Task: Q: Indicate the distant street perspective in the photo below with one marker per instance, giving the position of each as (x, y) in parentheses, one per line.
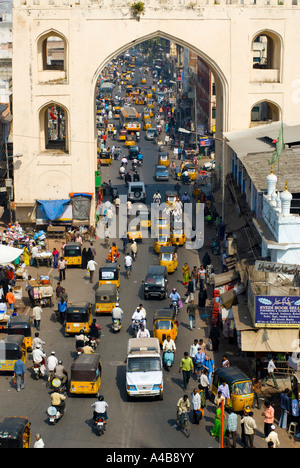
(149, 233)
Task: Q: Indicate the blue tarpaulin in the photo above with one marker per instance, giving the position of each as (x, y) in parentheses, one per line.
(53, 208)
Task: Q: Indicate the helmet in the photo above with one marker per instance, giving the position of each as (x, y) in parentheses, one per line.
(174, 289)
(101, 398)
(60, 363)
(117, 304)
(81, 331)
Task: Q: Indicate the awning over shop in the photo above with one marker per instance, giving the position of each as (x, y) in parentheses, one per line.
(225, 278)
(53, 208)
(9, 254)
(270, 340)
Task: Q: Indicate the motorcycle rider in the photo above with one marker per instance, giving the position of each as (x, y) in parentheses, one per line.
(174, 296)
(117, 313)
(168, 347)
(81, 338)
(143, 332)
(95, 330)
(134, 248)
(138, 315)
(38, 357)
(52, 362)
(58, 401)
(61, 373)
(100, 408)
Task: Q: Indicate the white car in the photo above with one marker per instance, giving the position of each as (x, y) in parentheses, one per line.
(137, 192)
(210, 165)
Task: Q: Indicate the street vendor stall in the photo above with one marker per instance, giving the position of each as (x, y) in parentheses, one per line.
(42, 291)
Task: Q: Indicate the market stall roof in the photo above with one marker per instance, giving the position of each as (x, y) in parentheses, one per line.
(270, 340)
(9, 254)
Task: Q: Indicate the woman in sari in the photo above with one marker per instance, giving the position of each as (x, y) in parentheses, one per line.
(186, 274)
(216, 430)
(26, 256)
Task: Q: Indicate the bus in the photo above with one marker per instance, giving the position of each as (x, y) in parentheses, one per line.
(130, 119)
(106, 90)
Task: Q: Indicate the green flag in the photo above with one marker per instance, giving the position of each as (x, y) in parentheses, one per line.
(279, 146)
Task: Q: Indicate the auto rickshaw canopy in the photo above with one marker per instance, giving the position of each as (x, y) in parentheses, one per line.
(13, 344)
(15, 432)
(164, 314)
(19, 325)
(109, 272)
(86, 368)
(78, 312)
(231, 375)
(72, 249)
(106, 293)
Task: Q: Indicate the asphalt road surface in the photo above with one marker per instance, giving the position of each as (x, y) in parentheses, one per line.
(143, 423)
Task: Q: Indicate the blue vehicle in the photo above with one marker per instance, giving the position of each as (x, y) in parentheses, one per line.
(168, 359)
(161, 173)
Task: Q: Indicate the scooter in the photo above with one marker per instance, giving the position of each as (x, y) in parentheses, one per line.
(79, 344)
(136, 324)
(54, 414)
(215, 246)
(168, 359)
(116, 325)
(93, 342)
(175, 306)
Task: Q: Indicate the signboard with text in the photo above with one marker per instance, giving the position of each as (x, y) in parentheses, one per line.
(277, 311)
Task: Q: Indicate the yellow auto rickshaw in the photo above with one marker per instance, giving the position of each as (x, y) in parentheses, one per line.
(177, 236)
(163, 159)
(122, 135)
(171, 197)
(73, 254)
(151, 103)
(109, 274)
(13, 346)
(140, 100)
(240, 387)
(106, 298)
(15, 432)
(164, 324)
(134, 232)
(78, 317)
(149, 111)
(162, 240)
(162, 222)
(168, 258)
(147, 124)
(105, 158)
(143, 214)
(192, 170)
(85, 376)
(144, 80)
(130, 141)
(21, 325)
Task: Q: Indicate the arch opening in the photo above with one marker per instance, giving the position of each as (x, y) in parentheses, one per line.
(53, 119)
(264, 112)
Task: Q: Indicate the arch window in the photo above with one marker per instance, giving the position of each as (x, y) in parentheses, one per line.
(54, 128)
(264, 112)
(52, 57)
(266, 57)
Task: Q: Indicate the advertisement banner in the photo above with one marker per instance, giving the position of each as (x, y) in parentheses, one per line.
(277, 311)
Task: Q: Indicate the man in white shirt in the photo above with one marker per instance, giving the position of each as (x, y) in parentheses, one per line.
(169, 345)
(117, 313)
(128, 262)
(37, 315)
(38, 357)
(138, 315)
(37, 341)
(91, 266)
(52, 362)
(143, 332)
(100, 408)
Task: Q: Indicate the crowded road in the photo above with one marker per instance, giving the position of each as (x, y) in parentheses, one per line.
(141, 423)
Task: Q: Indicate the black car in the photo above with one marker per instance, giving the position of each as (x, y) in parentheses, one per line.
(133, 152)
(156, 282)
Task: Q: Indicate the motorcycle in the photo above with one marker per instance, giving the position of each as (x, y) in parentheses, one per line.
(55, 414)
(168, 359)
(116, 325)
(122, 174)
(175, 306)
(137, 137)
(93, 342)
(215, 246)
(136, 324)
(100, 425)
(79, 344)
(37, 371)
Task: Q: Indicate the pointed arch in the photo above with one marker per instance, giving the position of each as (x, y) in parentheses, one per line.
(54, 127)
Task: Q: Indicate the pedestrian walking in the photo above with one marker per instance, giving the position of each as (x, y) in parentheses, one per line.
(269, 418)
(250, 429)
(204, 382)
(39, 441)
(62, 308)
(216, 430)
(62, 266)
(285, 406)
(186, 274)
(190, 293)
(193, 349)
(209, 365)
(37, 315)
(19, 373)
(231, 430)
(198, 362)
(273, 437)
(91, 266)
(270, 375)
(191, 311)
(214, 337)
(196, 405)
(186, 366)
(256, 383)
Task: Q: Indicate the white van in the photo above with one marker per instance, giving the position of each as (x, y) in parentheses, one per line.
(137, 192)
(144, 370)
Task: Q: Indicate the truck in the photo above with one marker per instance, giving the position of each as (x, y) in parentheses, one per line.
(144, 370)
